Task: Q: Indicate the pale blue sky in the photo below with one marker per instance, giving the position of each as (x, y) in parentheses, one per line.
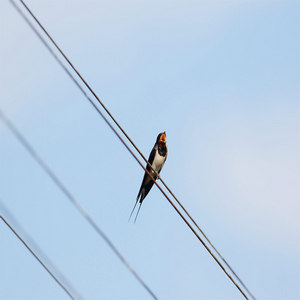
(222, 78)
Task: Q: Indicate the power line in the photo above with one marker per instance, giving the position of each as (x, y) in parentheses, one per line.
(72, 199)
(36, 256)
(48, 47)
(133, 144)
(74, 80)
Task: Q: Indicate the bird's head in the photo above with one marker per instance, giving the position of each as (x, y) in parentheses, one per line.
(162, 138)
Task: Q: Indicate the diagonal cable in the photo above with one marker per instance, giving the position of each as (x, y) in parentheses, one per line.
(52, 52)
(72, 199)
(136, 148)
(38, 249)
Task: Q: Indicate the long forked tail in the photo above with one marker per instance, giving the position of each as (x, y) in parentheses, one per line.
(140, 197)
(133, 209)
(138, 212)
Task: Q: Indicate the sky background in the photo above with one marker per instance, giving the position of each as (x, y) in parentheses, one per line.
(222, 79)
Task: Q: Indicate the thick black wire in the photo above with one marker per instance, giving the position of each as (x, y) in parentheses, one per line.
(74, 80)
(136, 148)
(68, 194)
(38, 259)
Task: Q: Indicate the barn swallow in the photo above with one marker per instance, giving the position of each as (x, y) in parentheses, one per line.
(156, 159)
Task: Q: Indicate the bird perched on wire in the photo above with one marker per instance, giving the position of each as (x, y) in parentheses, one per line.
(156, 159)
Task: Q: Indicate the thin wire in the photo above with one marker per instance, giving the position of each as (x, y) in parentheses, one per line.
(68, 194)
(38, 259)
(85, 94)
(38, 159)
(136, 148)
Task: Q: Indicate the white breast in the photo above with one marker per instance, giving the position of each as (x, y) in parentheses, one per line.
(158, 162)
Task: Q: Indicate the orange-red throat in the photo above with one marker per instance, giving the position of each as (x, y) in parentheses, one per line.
(163, 138)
